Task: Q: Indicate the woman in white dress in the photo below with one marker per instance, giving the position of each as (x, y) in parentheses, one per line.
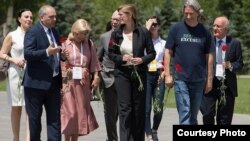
(12, 51)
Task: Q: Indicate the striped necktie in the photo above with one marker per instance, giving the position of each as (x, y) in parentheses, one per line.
(219, 56)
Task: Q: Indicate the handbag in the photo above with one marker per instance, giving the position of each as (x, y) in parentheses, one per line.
(4, 66)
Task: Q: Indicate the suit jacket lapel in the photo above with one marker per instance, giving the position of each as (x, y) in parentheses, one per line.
(228, 42)
(43, 34)
(214, 54)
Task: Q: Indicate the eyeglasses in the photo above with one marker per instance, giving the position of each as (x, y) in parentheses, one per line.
(115, 19)
(218, 26)
(155, 24)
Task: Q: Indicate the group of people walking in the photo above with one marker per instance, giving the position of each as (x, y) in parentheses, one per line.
(133, 64)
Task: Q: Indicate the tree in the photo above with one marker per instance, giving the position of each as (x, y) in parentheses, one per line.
(237, 11)
(168, 16)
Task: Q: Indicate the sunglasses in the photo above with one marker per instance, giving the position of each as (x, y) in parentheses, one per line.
(155, 24)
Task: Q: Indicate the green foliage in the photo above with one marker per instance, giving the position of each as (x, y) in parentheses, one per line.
(168, 16)
(98, 13)
(2, 85)
(66, 16)
(242, 105)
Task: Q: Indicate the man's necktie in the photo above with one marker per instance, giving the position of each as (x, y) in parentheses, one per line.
(219, 56)
(56, 61)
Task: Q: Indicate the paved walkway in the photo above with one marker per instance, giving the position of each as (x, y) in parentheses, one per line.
(170, 117)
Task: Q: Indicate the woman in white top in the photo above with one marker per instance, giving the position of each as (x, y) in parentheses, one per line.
(12, 51)
(155, 81)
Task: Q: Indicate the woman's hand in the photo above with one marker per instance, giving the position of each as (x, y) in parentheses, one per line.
(126, 58)
(19, 62)
(95, 83)
(136, 60)
(64, 53)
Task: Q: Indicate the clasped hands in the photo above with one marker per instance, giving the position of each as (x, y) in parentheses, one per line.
(132, 60)
(227, 65)
(53, 50)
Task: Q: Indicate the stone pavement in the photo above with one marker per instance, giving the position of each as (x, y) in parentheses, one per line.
(170, 117)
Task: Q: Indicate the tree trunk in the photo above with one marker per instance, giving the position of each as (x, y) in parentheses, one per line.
(9, 18)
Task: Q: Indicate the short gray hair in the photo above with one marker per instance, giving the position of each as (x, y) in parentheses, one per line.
(42, 10)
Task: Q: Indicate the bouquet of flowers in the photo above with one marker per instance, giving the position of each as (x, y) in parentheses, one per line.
(156, 102)
(223, 86)
(136, 75)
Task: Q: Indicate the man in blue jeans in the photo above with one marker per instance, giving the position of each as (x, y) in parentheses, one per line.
(190, 44)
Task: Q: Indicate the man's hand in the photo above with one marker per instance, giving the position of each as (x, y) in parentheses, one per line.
(64, 53)
(208, 86)
(169, 81)
(228, 65)
(53, 50)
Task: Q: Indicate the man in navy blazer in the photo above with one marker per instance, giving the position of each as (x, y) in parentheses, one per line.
(42, 79)
(233, 62)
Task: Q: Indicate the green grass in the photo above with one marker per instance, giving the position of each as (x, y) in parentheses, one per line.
(2, 85)
(242, 103)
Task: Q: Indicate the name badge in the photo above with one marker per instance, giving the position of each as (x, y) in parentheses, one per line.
(152, 66)
(77, 73)
(219, 70)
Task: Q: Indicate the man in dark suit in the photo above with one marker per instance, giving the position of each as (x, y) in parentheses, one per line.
(227, 62)
(108, 79)
(42, 79)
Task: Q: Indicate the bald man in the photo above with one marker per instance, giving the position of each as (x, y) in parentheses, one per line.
(109, 91)
(232, 62)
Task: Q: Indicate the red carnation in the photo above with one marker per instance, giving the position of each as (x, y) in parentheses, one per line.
(224, 47)
(62, 39)
(111, 42)
(178, 68)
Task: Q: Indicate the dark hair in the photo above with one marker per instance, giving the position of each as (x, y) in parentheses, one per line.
(20, 14)
(157, 19)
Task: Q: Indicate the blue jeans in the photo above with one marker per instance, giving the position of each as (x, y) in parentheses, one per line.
(188, 97)
(152, 83)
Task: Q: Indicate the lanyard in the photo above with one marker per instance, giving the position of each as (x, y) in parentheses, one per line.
(74, 48)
